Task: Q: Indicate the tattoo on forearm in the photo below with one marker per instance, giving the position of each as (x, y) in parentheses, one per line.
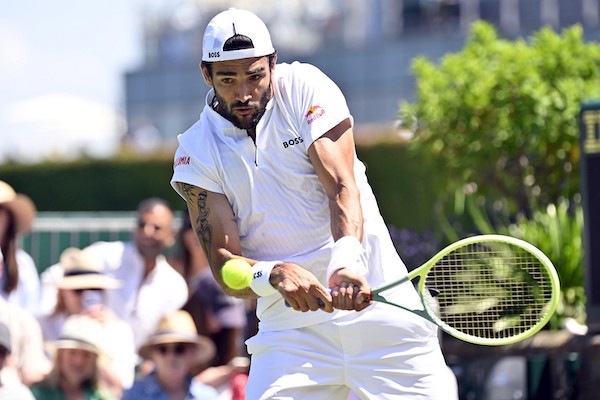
(204, 229)
(197, 198)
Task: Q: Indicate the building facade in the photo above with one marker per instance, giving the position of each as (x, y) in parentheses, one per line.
(365, 46)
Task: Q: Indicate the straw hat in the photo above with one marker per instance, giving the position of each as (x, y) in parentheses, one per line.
(179, 327)
(84, 271)
(79, 332)
(19, 205)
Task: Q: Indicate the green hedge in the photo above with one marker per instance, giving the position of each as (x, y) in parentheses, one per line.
(403, 184)
(92, 185)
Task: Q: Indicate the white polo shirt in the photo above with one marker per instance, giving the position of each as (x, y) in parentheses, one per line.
(280, 206)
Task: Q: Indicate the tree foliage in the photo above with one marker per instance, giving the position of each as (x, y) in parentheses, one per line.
(501, 117)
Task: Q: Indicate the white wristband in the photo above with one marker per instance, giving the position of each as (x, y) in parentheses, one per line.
(347, 252)
(261, 272)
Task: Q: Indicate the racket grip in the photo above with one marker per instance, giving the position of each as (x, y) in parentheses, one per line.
(319, 301)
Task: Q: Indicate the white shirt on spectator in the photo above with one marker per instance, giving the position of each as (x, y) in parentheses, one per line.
(28, 361)
(27, 293)
(141, 302)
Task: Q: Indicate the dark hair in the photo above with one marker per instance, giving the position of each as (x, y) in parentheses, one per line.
(152, 202)
(238, 42)
(8, 246)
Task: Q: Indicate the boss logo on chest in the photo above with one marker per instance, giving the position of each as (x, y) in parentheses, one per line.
(292, 142)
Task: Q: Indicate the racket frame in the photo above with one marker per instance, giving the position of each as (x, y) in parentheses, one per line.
(428, 313)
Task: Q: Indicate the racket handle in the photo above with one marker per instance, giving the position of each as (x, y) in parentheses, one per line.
(319, 301)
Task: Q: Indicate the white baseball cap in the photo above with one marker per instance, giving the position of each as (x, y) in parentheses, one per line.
(233, 22)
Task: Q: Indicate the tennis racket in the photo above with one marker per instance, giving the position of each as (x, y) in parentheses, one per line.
(491, 289)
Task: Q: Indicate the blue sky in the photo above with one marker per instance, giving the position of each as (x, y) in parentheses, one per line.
(61, 66)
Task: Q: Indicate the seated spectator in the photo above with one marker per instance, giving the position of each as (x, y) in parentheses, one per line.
(19, 281)
(27, 363)
(218, 316)
(82, 290)
(150, 288)
(12, 390)
(78, 368)
(175, 349)
(230, 379)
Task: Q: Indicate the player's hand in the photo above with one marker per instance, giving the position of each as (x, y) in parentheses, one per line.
(349, 290)
(300, 288)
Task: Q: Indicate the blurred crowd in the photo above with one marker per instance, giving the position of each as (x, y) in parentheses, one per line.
(118, 320)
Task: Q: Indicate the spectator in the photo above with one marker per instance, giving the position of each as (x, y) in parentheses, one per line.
(19, 281)
(216, 315)
(14, 390)
(77, 371)
(151, 288)
(175, 349)
(27, 363)
(82, 290)
(229, 379)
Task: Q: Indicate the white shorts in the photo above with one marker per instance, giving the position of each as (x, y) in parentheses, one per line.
(380, 353)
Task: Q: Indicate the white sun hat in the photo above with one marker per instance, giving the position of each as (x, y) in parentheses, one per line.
(80, 332)
(82, 270)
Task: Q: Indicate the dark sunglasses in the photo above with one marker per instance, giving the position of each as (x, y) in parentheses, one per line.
(80, 291)
(178, 349)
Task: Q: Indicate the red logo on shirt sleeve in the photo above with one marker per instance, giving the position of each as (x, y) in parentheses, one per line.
(314, 112)
(181, 161)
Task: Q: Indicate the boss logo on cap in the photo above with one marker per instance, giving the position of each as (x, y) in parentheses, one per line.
(214, 54)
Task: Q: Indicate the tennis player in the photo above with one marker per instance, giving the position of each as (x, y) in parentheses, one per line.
(270, 173)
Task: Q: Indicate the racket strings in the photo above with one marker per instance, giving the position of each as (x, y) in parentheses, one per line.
(490, 290)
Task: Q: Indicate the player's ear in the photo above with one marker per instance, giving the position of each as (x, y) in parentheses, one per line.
(274, 61)
(206, 74)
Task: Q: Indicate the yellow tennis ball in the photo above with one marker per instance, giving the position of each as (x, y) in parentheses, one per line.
(237, 273)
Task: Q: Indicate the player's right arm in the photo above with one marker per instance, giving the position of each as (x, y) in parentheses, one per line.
(213, 222)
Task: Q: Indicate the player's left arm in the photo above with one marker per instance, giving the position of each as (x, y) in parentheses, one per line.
(332, 156)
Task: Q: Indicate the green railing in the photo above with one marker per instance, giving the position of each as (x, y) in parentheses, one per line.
(55, 231)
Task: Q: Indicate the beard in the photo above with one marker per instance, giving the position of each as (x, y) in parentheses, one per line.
(225, 110)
